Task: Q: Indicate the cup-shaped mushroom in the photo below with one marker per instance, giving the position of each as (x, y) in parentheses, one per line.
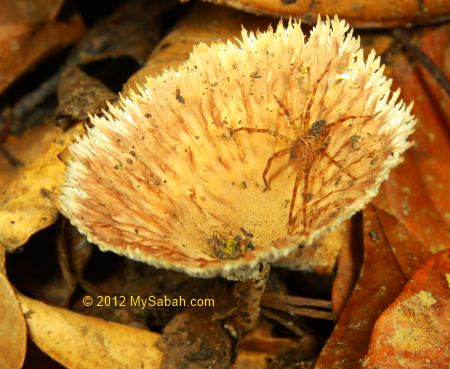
(243, 153)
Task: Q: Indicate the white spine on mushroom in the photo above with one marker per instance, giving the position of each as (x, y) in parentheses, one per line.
(161, 179)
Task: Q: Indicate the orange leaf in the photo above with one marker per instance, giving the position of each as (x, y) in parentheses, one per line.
(414, 331)
(417, 191)
(380, 280)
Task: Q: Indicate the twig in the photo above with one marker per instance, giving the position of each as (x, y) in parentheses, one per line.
(440, 77)
(11, 159)
(284, 322)
(296, 305)
(29, 102)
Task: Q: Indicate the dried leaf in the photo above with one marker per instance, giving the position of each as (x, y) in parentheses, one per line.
(248, 359)
(13, 332)
(203, 24)
(417, 191)
(348, 267)
(380, 280)
(360, 13)
(133, 30)
(82, 342)
(80, 95)
(27, 190)
(192, 340)
(413, 332)
(29, 32)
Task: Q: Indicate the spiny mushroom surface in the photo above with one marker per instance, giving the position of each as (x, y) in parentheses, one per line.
(241, 155)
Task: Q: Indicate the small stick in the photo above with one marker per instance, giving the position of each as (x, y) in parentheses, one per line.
(11, 159)
(284, 322)
(440, 77)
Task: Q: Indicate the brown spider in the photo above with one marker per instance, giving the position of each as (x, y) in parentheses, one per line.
(303, 151)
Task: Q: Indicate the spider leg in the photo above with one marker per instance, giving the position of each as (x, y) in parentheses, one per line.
(307, 115)
(305, 195)
(269, 163)
(343, 119)
(285, 110)
(294, 197)
(335, 162)
(260, 130)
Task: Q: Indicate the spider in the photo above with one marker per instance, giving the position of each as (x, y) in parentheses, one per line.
(303, 151)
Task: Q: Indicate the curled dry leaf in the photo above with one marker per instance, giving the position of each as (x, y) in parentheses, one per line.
(348, 268)
(28, 190)
(29, 31)
(80, 95)
(202, 198)
(359, 13)
(82, 342)
(380, 281)
(413, 332)
(131, 31)
(13, 332)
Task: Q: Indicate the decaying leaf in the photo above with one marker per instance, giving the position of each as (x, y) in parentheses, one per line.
(131, 31)
(414, 331)
(29, 31)
(380, 281)
(348, 267)
(80, 95)
(128, 35)
(359, 13)
(27, 190)
(13, 332)
(417, 191)
(192, 340)
(82, 342)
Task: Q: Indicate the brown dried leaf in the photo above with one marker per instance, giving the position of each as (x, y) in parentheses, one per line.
(133, 30)
(13, 332)
(248, 359)
(413, 332)
(83, 342)
(80, 95)
(380, 280)
(27, 190)
(359, 13)
(192, 340)
(417, 191)
(29, 32)
(203, 24)
(348, 267)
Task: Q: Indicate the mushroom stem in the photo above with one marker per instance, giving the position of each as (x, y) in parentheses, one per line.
(249, 293)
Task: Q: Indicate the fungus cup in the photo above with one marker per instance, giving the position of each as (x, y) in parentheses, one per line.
(243, 153)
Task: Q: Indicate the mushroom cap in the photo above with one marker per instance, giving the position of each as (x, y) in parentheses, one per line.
(164, 177)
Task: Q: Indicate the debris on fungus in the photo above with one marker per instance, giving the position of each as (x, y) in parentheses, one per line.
(310, 127)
